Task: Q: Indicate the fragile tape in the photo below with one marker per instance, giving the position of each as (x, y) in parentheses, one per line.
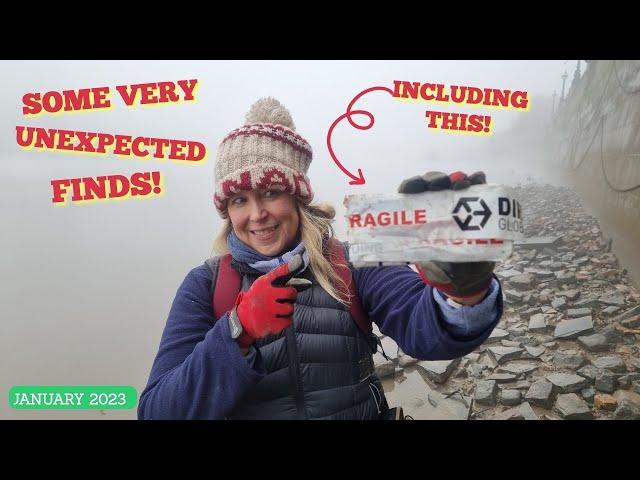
(479, 223)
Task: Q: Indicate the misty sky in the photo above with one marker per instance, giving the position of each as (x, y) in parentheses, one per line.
(86, 288)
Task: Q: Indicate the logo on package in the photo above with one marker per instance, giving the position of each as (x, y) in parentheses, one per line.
(471, 213)
(510, 215)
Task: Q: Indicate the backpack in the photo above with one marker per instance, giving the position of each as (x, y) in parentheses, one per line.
(226, 283)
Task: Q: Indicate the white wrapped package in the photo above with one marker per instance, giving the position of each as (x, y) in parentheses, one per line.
(479, 223)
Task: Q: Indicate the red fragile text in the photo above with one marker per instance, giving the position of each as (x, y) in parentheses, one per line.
(102, 143)
(384, 219)
(99, 97)
(108, 187)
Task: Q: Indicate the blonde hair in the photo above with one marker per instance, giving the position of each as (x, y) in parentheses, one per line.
(316, 233)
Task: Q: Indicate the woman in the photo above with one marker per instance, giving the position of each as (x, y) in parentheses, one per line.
(287, 345)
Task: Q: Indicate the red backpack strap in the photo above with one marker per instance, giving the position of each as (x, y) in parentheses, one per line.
(341, 266)
(227, 286)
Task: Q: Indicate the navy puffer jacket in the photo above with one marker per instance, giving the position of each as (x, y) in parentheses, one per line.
(319, 368)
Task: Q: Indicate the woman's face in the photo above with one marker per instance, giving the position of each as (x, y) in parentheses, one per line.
(265, 220)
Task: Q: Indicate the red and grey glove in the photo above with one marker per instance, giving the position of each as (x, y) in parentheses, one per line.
(455, 279)
(434, 181)
(267, 307)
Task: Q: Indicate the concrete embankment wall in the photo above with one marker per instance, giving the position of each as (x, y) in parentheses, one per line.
(596, 142)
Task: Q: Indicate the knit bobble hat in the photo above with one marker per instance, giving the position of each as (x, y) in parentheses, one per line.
(264, 153)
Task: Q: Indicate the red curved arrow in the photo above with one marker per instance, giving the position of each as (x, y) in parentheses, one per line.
(355, 180)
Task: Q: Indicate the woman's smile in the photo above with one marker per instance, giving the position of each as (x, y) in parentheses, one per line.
(265, 234)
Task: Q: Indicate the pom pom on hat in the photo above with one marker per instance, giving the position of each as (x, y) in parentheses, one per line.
(269, 110)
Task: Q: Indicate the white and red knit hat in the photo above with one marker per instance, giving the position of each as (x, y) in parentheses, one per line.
(264, 153)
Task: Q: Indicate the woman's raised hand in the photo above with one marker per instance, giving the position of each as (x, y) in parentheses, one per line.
(267, 307)
(464, 282)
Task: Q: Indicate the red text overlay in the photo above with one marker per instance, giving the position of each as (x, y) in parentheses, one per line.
(106, 187)
(94, 98)
(460, 95)
(103, 98)
(107, 143)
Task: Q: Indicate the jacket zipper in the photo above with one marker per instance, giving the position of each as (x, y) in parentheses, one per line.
(294, 372)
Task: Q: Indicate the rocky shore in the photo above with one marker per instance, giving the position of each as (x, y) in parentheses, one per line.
(567, 346)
